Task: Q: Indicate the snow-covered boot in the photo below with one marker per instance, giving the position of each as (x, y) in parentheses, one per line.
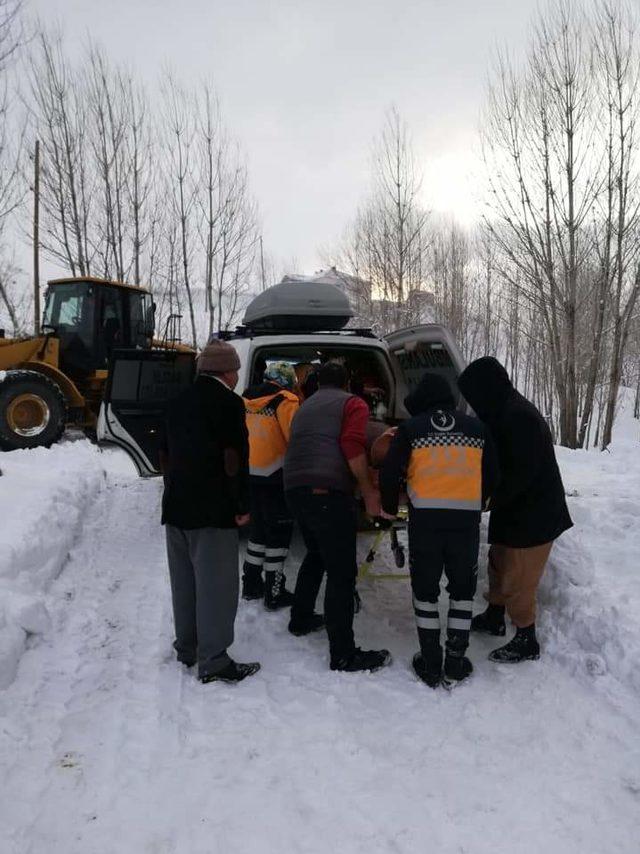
(276, 596)
(523, 646)
(457, 667)
(429, 668)
(490, 622)
(252, 583)
(233, 672)
(362, 659)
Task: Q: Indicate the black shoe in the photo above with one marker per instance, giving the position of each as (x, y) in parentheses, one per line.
(523, 646)
(362, 659)
(273, 602)
(456, 669)
(252, 587)
(232, 673)
(304, 627)
(184, 657)
(430, 672)
(490, 622)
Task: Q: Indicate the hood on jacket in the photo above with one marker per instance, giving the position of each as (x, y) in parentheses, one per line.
(432, 392)
(485, 385)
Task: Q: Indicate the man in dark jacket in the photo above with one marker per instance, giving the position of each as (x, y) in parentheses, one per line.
(325, 459)
(270, 407)
(449, 465)
(205, 462)
(528, 510)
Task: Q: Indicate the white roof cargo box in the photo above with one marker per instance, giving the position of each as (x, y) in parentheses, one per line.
(299, 306)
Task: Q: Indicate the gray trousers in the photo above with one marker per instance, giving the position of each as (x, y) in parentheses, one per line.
(203, 566)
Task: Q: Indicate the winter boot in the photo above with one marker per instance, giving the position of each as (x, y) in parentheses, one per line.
(428, 668)
(275, 594)
(457, 666)
(456, 669)
(362, 659)
(233, 672)
(313, 623)
(252, 584)
(523, 646)
(490, 622)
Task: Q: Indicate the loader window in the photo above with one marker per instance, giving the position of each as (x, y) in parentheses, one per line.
(70, 311)
(141, 319)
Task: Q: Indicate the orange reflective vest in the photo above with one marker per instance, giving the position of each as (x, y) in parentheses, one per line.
(445, 472)
(269, 424)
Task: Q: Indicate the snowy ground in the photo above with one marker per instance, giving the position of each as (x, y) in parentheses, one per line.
(107, 745)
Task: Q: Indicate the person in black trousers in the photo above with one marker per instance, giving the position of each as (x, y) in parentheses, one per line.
(205, 463)
(448, 463)
(270, 408)
(325, 459)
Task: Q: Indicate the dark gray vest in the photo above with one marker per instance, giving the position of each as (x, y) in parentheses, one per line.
(314, 457)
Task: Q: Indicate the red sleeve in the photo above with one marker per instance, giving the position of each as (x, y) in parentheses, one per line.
(353, 436)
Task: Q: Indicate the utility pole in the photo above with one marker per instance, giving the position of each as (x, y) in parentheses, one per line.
(262, 264)
(36, 239)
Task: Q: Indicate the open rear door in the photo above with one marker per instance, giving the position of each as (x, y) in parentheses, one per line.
(141, 384)
(419, 349)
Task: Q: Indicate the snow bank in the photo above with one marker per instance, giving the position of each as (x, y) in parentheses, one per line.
(43, 497)
(590, 594)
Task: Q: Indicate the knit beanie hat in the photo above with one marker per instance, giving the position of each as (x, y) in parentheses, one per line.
(281, 373)
(218, 357)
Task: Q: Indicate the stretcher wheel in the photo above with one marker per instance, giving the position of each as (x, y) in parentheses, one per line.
(399, 557)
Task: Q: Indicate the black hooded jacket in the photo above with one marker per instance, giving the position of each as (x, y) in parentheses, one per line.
(446, 457)
(529, 506)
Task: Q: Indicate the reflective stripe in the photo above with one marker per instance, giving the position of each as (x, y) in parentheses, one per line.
(256, 547)
(442, 503)
(277, 552)
(274, 567)
(424, 606)
(428, 622)
(256, 560)
(461, 604)
(457, 623)
(266, 471)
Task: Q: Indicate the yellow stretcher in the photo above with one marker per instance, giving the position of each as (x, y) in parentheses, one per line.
(398, 550)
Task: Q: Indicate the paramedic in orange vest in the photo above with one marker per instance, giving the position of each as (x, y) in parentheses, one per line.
(449, 465)
(270, 408)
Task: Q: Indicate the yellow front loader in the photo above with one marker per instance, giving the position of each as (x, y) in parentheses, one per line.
(57, 379)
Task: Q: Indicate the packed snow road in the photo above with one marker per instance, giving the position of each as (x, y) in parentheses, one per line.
(107, 745)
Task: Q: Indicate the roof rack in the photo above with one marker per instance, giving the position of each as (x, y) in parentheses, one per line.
(245, 332)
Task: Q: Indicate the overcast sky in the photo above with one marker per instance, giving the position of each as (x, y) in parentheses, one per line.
(304, 85)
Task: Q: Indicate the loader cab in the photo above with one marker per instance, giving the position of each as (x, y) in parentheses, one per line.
(92, 317)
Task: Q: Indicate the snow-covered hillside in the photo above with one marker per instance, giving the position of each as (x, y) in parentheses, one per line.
(107, 745)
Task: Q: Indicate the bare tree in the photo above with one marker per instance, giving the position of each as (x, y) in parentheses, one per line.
(618, 59)
(12, 188)
(388, 242)
(59, 114)
(544, 180)
(179, 121)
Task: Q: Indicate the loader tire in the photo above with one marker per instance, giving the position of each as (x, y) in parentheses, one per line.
(32, 411)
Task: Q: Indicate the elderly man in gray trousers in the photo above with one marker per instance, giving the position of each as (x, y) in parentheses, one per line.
(205, 462)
